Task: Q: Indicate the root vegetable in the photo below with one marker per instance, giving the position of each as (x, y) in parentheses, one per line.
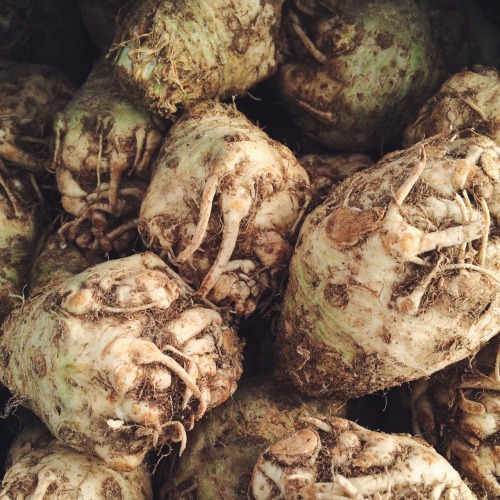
(20, 224)
(338, 459)
(53, 265)
(39, 467)
(396, 275)
(458, 411)
(469, 99)
(356, 71)
(169, 54)
(223, 204)
(104, 146)
(119, 359)
(30, 97)
(224, 447)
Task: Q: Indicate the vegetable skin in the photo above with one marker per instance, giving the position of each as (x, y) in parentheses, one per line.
(39, 466)
(119, 359)
(169, 54)
(396, 274)
(223, 205)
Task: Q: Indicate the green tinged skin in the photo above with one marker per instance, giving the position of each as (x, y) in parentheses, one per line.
(354, 73)
(168, 54)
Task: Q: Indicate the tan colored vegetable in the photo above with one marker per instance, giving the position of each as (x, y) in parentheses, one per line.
(170, 54)
(119, 359)
(469, 99)
(396, 275)
(38, 466)
(223, 204)
(102, 157)
(30, 97)
(224, 447)
(458, 411)
(334, 459)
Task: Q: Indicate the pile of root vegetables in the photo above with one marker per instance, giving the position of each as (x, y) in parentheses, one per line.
(249, 249)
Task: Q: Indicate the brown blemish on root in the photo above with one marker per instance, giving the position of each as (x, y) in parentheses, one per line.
(346, 226)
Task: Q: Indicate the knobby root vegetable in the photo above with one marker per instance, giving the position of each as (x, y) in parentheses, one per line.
(469, 99)
(20, 223)
(52, 264)
(223, 204)
(396, 275)
(119, 359)
(224, 447)
(30, 97)
(332, 459)
(38, 466)
(104, 147)
(168, 54)
(458, 411)
(354, 72)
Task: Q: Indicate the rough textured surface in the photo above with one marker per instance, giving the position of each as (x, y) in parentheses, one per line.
(223, 205)
(224, 447)
(15, 26)
(354, 72)
(21, 225)
(52, 264)
(335, 459)
(38, 466)
(119, 359)
(457, 410)
(104, 147)
(168, 54)
(30, 97)
(469, 99)
(396, 275)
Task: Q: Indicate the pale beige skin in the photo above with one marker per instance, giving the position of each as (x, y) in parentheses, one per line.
(119, 359)
(223, 204)
(169, 54)
(103, 150)
(223, 448)
(458, 411)
(396, 275)
(39, 466)
(337, 459)
(30, 97)
(469, 99)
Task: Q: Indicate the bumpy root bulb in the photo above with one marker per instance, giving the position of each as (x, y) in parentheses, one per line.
(223, 205)
(104, 146)
(119, 359)
(39, 466)
(458, 411)
(336, 458)
(396, 274)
